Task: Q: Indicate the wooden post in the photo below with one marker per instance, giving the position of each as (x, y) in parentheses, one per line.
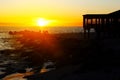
(84, 26)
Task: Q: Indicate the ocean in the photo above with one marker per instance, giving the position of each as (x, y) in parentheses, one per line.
(6, 42)
(6, 39)
(74, 29)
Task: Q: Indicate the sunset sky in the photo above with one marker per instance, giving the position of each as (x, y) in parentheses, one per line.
(57, 12)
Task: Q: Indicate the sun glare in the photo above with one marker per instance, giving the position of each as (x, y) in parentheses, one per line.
(42, 22)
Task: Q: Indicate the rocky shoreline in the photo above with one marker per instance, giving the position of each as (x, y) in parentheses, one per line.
(74, 57)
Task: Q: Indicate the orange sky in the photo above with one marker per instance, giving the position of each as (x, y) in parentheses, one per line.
(59, 12)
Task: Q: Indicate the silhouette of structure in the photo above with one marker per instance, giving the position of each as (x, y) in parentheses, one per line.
(106, 24)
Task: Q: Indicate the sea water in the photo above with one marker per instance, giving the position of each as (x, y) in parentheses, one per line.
(6, 39)
(74, 29)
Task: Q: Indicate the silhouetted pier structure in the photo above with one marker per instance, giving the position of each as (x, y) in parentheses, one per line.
(105, 24)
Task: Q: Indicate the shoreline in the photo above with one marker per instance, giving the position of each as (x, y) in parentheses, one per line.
(70, 48)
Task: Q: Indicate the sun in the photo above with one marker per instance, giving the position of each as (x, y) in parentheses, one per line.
(42, 22)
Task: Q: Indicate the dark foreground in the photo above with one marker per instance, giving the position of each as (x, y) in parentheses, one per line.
(75, 58)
